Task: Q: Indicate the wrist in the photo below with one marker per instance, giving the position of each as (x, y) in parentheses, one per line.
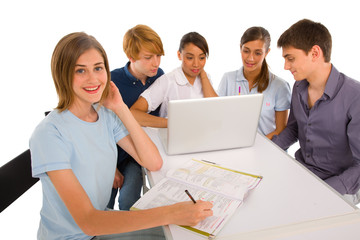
(121, 109)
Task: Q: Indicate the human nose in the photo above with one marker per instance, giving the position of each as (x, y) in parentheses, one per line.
(156, 61)
(251, 56)
(91, 76)
(286, 65)
(195, 62)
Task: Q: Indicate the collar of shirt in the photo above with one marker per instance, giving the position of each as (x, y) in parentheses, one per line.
(240, 75)
(133, 79)
(332, 84)
(244, 82)
(331, 88)
(128, 74)
(180, 77)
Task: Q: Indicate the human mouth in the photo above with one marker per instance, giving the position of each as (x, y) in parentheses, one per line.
(195, 70)
(92, 89)
(249, 64)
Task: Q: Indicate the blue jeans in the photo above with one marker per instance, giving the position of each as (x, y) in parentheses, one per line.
(130, 191)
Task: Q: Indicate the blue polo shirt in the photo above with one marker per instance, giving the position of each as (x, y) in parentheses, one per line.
(130, 88)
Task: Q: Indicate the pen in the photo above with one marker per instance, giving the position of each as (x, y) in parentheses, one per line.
(239, 90)
(208, 161)
(192, 199)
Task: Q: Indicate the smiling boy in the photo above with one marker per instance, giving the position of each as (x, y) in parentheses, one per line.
(325, 109)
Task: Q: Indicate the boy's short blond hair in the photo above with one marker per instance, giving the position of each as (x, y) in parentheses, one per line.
(142, 37)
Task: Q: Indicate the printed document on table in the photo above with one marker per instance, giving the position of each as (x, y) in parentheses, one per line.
(225, 188)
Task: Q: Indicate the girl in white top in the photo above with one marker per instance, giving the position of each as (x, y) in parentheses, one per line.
(255, 77)
(188, 81)
(73, 152)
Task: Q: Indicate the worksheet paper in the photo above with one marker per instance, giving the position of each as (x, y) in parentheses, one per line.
(225, 188)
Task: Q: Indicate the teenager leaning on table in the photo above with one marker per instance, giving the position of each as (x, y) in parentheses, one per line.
(73, 152)
(325, 109)
(255, 77)
(187, 81)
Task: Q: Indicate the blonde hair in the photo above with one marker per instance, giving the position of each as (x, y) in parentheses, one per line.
(63, 61)
(142, 37)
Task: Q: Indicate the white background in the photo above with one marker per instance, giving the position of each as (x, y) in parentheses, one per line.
(31, 29)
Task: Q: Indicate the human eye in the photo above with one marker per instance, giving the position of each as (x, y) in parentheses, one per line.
(290, 59)
(80, 70)
(258, 53)
(98, 69)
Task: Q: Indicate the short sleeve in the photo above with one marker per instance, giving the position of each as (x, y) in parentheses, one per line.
(119, 129)
(155, 94)
(283, 96)
(49, 150)
(222, 86)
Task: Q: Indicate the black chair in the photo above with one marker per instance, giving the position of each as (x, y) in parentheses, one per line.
(15, 179)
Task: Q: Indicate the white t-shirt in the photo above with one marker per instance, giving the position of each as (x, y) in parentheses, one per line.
(171, 86)
(63, 141)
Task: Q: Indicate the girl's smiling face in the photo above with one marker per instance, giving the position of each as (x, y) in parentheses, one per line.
(90, 78)
(253, 54)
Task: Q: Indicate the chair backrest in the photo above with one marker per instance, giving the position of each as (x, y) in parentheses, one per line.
(15, 179)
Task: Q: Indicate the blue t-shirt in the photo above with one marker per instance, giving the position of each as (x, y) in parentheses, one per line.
(276, 96)
(130, 89)
(63, 141)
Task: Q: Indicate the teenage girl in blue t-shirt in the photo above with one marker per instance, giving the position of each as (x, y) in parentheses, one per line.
(74, 154)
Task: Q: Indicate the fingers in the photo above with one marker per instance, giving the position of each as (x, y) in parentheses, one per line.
(206, 205)
(118, 180)
(205, 209)
(121, 181)
(190, 214)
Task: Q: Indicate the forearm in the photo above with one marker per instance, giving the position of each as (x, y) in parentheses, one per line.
(281, 118)
(148, 120)
(112, 222)
(277, 131)
(348, 182)
(207, 88)
(146, 153)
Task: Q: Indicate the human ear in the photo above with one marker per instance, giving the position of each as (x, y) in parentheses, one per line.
(267, 52)
(316, 52)
(179, 55)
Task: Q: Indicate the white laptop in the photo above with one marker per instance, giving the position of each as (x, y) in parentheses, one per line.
(206, 124)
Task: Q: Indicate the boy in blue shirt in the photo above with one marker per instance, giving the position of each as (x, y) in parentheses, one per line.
(144, 49)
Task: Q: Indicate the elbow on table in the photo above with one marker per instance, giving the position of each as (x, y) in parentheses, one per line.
(156, 164)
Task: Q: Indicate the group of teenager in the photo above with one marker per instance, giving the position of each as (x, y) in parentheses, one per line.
(96, 147)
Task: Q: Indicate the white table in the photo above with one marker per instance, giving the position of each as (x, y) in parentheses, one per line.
(289, 198)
